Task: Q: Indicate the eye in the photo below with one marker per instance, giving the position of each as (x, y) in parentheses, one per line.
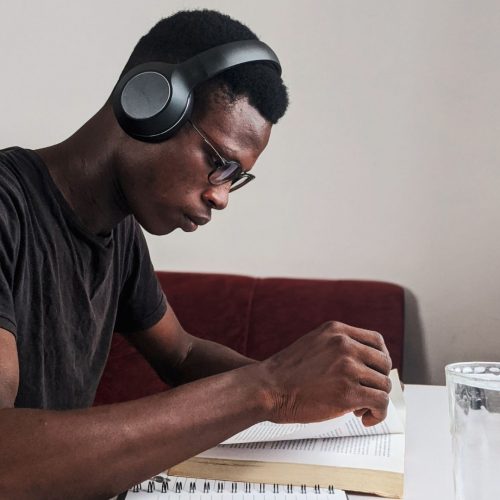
(213, 160)
(217, 162)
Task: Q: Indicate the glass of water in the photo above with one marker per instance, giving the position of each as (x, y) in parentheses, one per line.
(474, 398)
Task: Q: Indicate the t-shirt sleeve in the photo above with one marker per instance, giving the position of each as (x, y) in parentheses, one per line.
(9, 246)
(142, 302)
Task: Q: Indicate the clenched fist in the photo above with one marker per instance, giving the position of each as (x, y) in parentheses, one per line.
(333, 370)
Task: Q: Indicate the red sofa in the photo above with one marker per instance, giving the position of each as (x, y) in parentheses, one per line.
(257, 317)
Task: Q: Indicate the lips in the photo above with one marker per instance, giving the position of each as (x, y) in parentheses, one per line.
(199, 220)
(191, 222)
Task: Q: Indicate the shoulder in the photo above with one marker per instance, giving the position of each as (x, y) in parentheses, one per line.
(13, 205)
(12, 195)
(12, 198)
(11, 190)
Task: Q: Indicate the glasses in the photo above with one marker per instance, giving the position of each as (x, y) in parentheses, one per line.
(224, 170)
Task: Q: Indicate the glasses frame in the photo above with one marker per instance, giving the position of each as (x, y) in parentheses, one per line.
(239, 173)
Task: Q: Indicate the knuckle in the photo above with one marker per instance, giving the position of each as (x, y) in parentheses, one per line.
(387, 385)
(340, 342)
(389, 361)
(378, 339)
(386, 360)
(384, 401)
(348, 366)
(330, 326)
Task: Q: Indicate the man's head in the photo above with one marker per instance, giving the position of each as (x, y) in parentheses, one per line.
(187, 33)
(166, 184)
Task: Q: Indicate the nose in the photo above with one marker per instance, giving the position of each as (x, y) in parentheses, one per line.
(217, 197)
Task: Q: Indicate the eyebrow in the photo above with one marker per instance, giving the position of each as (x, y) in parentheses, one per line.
(221, 150)
(215, 146)
(226, 153)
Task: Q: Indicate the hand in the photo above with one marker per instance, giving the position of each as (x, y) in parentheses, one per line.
(333, 370)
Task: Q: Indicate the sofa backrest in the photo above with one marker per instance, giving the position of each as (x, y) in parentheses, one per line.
(257, 317)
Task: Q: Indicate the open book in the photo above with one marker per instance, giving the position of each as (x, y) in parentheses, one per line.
(339, 452)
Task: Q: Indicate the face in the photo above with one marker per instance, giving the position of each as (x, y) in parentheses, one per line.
(166, 185)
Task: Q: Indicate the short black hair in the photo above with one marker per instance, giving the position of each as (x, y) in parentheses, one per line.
(186, 33)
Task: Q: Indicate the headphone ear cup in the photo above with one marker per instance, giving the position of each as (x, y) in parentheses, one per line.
(152, 101)
(145, 95)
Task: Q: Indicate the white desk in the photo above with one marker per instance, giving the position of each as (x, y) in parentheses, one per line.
(428, 459)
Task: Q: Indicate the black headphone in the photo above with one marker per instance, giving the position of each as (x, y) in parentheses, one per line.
(153, 100)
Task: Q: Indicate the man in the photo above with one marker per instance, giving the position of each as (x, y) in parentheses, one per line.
(75, 267)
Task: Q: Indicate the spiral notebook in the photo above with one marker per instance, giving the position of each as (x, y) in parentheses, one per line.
(165, 487)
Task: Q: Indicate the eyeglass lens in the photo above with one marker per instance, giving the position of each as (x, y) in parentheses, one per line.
(225, 172)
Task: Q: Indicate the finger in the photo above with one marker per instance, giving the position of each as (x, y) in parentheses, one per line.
(367, 337)
(369, 420)
(360, 412)
(375, 401)
(368, 377)
(374, 359)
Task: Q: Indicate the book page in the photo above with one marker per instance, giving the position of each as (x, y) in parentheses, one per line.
(397, 396)
(376, 452)
(346, 425)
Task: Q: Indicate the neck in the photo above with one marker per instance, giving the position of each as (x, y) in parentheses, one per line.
(83, 168)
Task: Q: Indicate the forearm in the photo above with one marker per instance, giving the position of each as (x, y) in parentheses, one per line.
(98, 452)
(205, 358)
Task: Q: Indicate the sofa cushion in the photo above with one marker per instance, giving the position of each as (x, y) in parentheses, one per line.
(257, 317)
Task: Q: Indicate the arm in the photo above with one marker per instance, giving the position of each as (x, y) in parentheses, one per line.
(331, 371)
(107, 449)
(179, 357)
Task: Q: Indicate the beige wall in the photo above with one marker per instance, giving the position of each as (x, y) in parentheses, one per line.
(386, 166)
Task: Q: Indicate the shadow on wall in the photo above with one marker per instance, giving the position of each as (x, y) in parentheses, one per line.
(416, 364)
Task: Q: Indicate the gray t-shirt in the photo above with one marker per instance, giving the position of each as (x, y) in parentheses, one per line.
(64, 290)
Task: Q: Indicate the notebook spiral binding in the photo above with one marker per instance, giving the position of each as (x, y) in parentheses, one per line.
(161, 484)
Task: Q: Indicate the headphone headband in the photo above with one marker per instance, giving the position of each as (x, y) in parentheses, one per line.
(153, 100)
(211, 62)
